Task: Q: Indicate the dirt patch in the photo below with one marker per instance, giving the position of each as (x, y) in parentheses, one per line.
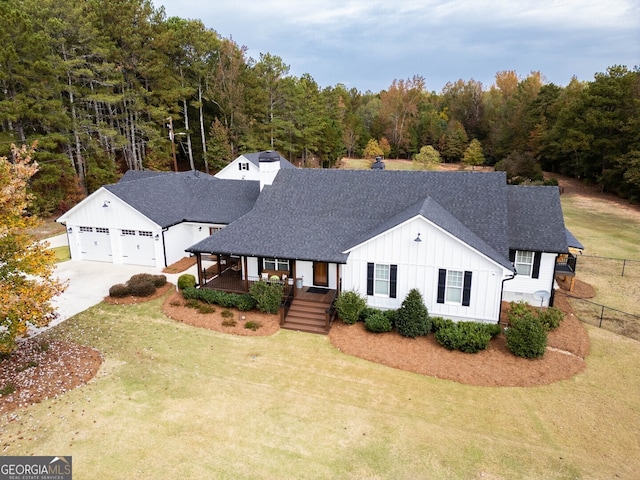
(39, 370)
(181, 265)
(174, 307)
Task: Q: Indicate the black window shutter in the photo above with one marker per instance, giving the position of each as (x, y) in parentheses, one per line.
(239, 165)
(260, 266)
(442, 281)
(536, 265)
(512, 256)
(370, 268)
(466, 289)
(393, 281)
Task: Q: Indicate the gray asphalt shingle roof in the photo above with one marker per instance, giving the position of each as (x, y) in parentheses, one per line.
(169, 198)
(316, 214)
(536, 222)
(255, 156)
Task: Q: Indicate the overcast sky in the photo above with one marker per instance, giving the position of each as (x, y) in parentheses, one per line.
(366, 44)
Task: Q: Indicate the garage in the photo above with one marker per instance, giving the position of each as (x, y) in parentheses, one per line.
(137, 247)
(95, 244)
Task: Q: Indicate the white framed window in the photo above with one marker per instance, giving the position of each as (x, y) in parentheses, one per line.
(381, 279)
(524, 263)
(453, 291)
(275, 264)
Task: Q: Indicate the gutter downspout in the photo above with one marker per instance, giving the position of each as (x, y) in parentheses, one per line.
(502, 292)
(164, 246)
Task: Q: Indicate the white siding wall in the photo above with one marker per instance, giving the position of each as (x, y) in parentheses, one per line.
(116, 217)
(233, 172)
(418, 264)
(522, 288)
(182, 236)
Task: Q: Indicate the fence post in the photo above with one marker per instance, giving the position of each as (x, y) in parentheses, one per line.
(624, 263)
(601, 315)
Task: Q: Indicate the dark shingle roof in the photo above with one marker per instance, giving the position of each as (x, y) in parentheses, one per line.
(536, 222)
(254, 158)
(316, 214)
(170, 198)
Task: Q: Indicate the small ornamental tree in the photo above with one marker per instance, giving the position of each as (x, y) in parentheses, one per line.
(27, 283)
(428, 158)
(473, 156)
(373, 150)
(412, 319)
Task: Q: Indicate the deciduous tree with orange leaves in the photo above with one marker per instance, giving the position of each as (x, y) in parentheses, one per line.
(27, 284)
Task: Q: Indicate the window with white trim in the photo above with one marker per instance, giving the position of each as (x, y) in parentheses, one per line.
(524, 263)
(453, 291)
(381, 279)
(275, 264)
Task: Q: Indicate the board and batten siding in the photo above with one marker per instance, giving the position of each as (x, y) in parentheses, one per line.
(418, 264)
(522, 288)
(115, 217)
(233, 172)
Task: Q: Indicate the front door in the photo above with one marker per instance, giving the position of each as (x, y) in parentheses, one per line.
(321, 274)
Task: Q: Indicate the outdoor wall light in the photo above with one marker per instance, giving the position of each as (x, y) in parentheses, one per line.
(106, 204)
(199, 229)
(70, 230)
(417, 239)
(157, 237)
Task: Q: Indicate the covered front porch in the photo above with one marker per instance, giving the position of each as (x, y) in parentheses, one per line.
(304, 307)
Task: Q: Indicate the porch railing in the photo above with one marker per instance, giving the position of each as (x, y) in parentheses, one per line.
(330, 313)
(566, 263)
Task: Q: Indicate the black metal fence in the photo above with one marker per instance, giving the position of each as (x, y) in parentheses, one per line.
(623, 267)
(617, 321)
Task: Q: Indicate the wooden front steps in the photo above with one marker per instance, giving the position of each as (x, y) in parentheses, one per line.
(307, 316)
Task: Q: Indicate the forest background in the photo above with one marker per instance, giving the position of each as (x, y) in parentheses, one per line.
(104, 86)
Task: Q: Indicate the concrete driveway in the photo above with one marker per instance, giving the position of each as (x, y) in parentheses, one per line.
(89, 282)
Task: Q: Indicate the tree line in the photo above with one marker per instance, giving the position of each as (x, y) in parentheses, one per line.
(109, 85)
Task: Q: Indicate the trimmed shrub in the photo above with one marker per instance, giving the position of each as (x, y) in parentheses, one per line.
(526, 336)
(392, 315)
(551, 318)
(367, 312)
(141, 287)
(159, 280)
(349, 305)
(378, 322)
(438, 323)
(267, 296)
(413, 317)
(251, 325)
(228, 300)
(120, 290)
(205, 308)
(186, 280)
(245, 303)
(468, 337)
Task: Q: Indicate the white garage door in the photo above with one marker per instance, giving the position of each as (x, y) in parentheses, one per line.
(138, 248)
(95, 244)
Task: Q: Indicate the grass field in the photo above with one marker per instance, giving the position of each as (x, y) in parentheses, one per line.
(173, 401)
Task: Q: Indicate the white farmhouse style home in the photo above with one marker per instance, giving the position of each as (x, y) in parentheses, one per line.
(466, 240)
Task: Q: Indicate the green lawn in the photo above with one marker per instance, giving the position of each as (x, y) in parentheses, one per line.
(174, 401)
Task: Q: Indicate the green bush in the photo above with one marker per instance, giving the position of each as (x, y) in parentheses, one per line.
(438, 323)
(468, 337)
(157, 280)
(251, 325)
(366, 313)
(245, 303)
(267, 295)
(551, 318)
(526, 336)
(186, 280)
(119, 290)
(392, 315)
(413, 317)
(349, 305)
(205, 308)
(378, 322)
(215, 297)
